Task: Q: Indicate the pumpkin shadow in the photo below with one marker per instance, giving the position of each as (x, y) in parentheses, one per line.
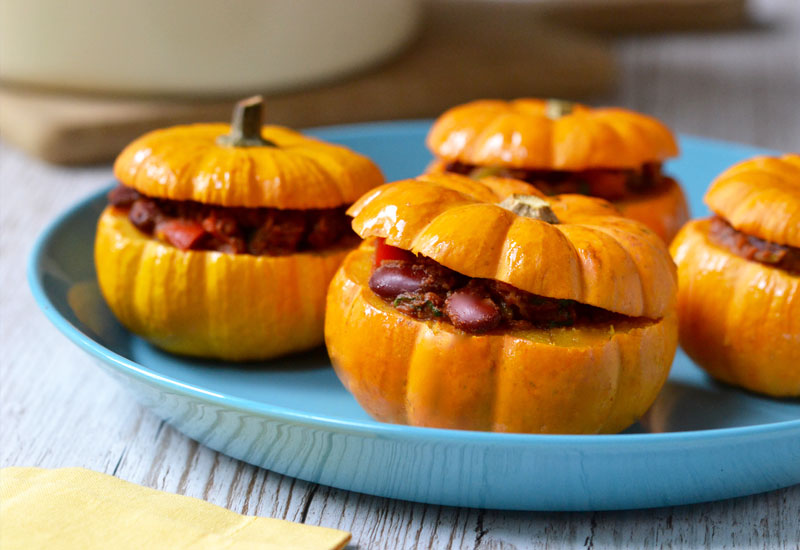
(301, 361)
(147, 354)
(684, 407)
(86, 308)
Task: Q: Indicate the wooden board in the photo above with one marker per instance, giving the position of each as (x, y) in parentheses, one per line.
(637, 16)
(464, 51)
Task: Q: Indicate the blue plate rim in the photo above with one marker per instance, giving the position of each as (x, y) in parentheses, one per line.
(377, 429)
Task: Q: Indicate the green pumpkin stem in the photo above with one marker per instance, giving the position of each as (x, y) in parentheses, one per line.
(557, 108)
(246, 125)
(530, 206)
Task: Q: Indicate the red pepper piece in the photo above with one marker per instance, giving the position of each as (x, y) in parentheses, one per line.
(384, 251)
(182, 234)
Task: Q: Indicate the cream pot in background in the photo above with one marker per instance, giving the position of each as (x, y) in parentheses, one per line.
(196, 47)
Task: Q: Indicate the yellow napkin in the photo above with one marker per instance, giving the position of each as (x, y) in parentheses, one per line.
(77, 508)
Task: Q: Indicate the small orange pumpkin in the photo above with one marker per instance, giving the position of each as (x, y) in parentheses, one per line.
(587, 378)
(563, 147)
(216, 304)
(276, 167)
(739, 274)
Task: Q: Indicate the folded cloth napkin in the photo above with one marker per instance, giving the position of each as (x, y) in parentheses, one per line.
(78, 508)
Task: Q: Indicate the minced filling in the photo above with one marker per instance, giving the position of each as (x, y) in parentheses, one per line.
(425, 289)
(609, 184)
(752, 248)
(190, 225)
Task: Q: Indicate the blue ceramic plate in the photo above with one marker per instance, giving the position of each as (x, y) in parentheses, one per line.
(701, 441)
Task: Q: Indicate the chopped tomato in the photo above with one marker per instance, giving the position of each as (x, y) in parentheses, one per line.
(384, 251)
(182, 234)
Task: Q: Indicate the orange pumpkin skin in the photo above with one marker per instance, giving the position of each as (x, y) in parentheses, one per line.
(583, 379)
(594, 256)
(761, 197)
(234, 307)
(739, 320)
(520, 134)
(186, 163)
(426, 373)
(665, 212)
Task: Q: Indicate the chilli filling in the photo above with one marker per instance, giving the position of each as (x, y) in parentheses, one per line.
(190, 225)
(424, 289)
(779, 256)
(609, 184)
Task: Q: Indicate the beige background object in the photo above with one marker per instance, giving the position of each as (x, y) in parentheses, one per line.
(467, 49)
(463, 52)
(196, 47)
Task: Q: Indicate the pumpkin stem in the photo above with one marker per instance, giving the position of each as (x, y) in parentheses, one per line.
(246, 125)
(556, 108)
(530, 206)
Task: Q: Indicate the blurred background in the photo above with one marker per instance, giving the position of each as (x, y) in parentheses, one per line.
(80, 79)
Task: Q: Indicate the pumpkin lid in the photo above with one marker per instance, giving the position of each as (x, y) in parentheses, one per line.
(491, 229)
(245, 164)
(549, 135)
(761, 197)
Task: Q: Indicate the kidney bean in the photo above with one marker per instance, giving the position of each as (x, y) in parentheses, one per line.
(394, 278)
(327, 228)
(239, 230)
(472, 312)
(281, 233)
(144, 214)
(123, 195)
(220, 225)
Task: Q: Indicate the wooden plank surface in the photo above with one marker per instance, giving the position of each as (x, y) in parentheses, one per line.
(58, 409)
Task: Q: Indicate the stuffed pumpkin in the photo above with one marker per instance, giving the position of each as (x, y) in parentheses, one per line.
(220, 240)
(484, 305)
(563, 147)
(739, 273)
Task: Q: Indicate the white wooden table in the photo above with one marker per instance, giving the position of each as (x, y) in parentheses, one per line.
(58, 409)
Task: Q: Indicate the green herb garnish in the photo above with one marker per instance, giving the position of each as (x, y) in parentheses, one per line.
(435, 311)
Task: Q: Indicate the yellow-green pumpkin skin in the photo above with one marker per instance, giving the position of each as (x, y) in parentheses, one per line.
(234, 307)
